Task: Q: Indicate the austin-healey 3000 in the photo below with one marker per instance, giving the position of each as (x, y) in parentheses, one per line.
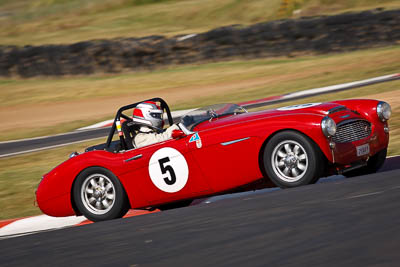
(218, 149)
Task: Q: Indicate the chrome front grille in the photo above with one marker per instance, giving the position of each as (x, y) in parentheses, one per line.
(352, 130)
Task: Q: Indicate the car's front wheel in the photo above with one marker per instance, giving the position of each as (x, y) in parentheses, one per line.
(291, 159)
(99, 195)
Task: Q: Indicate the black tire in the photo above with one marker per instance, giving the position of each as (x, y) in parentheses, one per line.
(374, 163)
(307, 160)
(109, 192)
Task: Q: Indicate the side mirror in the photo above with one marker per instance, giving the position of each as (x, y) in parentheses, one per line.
(177, 134)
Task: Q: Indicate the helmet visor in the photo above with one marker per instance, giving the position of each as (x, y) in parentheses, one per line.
(156, 115)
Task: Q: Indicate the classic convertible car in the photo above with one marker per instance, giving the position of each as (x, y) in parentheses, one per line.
(218, 149)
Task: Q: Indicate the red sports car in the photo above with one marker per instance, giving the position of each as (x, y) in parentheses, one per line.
(220, 148)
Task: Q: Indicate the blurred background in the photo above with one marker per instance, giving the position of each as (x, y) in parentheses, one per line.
(66, 64)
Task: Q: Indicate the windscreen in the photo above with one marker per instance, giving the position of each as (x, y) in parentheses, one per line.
(193, 118)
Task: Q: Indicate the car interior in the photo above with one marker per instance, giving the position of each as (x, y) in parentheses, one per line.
(128, 127)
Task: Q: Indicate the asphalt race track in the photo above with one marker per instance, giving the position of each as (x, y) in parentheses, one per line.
(348, 222)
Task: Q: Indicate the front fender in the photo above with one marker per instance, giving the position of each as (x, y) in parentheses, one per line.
(365, 107)
(305, 123)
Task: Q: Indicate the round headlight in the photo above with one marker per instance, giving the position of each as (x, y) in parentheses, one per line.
(384, 111)
(328, 126)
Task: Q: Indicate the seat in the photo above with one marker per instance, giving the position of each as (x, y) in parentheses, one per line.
(129, 129)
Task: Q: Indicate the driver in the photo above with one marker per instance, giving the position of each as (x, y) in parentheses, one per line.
(150, 118)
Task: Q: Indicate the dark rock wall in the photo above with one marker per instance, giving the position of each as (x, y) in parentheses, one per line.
(325, 34)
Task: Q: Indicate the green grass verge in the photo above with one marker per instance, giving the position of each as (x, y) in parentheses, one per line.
(37, 22)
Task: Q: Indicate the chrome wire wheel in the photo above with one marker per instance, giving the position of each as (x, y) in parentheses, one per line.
(289, 161)
(98, 194)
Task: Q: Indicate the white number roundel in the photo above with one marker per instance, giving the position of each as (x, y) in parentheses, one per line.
(168, 170)
(294, 107)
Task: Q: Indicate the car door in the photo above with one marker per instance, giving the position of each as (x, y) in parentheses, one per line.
(228, 156)
(165, 171)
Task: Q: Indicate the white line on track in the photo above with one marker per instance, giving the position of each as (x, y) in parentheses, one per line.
(46, 147)
(333, 88)
(365, 195)
(39, 223)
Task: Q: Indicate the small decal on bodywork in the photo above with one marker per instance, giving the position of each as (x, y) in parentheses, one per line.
(199, 144)
(194, 138)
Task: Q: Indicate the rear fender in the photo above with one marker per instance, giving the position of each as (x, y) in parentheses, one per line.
(114, 162)
(56, 185)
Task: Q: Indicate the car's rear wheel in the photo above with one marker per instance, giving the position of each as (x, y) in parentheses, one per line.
(292, 159)
(99, 195)
(374, 163)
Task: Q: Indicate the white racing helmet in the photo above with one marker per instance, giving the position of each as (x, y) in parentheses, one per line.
(148, 114)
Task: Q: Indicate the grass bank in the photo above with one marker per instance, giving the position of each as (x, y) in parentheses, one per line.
(35, 22)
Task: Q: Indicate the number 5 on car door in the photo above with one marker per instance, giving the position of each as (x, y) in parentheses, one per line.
(167, 171)
(167, 168)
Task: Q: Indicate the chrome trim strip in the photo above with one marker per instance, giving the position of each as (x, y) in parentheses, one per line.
(234, 141)
(352, 120)
(134, 158)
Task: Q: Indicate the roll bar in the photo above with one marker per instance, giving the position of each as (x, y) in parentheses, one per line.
(117, 121)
